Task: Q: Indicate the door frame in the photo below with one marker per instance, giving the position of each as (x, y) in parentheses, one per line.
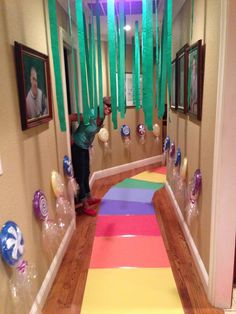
(223, 220)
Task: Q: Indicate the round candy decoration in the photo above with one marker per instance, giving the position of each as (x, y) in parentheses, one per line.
(12, 243)
(178, 158)
(40, 205)
(103, 135)
(57, 184)
(156, 130)
(166, 144)
(172, 150)
(67, 166)
(183, 169)
(141, 130)
(125, 130)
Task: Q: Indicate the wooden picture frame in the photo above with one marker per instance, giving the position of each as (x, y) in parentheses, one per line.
(34, 86)
(195, 79)
(182, 78)
(173, 98)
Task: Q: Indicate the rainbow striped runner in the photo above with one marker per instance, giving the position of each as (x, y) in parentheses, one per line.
(129, 270)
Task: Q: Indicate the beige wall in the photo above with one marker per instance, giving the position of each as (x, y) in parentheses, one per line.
(27, 156)
(196, 139)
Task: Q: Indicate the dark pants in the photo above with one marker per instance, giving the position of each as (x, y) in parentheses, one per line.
(80, 161)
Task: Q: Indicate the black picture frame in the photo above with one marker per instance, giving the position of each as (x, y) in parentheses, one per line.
(182, 78)
(34, 86)
(173, 98)
(195, 79)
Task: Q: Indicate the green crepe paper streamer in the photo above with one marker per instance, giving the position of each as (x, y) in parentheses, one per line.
(157, 57)
(121, 67)
(137, 68)
(118, 64)
(163, 75)
(56, 63)
(91, 67)
(148, 63)
(133, 70)
(169, 46)
(189, 80)
(100, 83)
(112, 58)
(81, 44)
(74, 67)
(192, 17)
(95, 96)
(86, 52)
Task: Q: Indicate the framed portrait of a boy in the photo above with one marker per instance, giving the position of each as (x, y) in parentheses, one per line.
(195, 77)
(34, 86)
(182, 79)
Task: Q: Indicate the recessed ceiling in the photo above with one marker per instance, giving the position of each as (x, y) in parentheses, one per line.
(133, 12)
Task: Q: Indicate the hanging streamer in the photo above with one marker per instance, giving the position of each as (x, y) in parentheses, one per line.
(100, 83)
(163, 69)
(169, 45)
(86, 54)
(91, 68)
(56, 63)
(121, 67)
(157, 56)
(148, 62)
(118, 62)
(74, 65)
(112, 58)
(192, 17)
(95, 104)
(137, 67)
(133, 70)
(81, 43)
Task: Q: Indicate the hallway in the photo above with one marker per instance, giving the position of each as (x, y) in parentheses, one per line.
(146, 267)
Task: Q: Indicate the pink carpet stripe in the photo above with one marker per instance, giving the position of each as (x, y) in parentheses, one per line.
(161, 170)
(112, 252)
(108, 226)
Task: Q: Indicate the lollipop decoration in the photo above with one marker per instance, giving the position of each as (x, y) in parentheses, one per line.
(24, 275)
(51, 234)
(166, 149)
(63, 208)
(141, 131)
(180, 191)
(192, 209)
(125, 134)
(156, 132)
(72, 185)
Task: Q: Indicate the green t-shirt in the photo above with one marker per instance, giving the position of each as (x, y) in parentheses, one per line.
(84, 134)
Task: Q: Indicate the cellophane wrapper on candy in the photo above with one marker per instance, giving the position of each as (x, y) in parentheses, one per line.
(23, 288)
(64, 213)
(192, 210)
(51, 236)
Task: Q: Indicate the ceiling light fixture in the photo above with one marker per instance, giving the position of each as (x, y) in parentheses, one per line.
(127, 27)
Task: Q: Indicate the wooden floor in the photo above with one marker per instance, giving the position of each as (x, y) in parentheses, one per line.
(67, 292)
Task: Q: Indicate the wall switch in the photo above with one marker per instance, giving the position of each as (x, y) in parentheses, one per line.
(1, 170)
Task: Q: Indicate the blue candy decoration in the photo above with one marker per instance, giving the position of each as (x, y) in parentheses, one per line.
(67, 166)
(12, 243)
(167, 144)
(125, 130)
(178, 158)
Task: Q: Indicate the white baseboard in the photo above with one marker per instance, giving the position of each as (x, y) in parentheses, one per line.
(194, 251)
(51, 274)
(125, 167)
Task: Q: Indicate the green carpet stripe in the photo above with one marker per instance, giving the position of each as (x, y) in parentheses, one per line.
(139, 184)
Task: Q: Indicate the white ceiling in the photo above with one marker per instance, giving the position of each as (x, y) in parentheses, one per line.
(130, 19)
